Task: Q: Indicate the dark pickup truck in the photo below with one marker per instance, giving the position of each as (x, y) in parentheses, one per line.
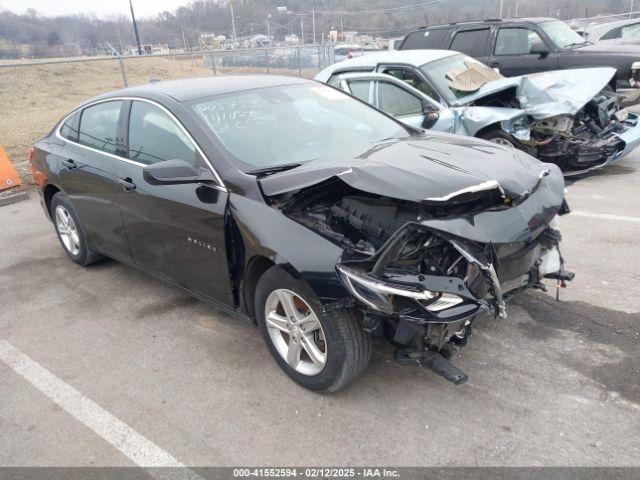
(527, 45)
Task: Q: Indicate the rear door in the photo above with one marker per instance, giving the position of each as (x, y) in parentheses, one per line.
(88, 177)
(511, 52)
(472, 41)
(174, 231)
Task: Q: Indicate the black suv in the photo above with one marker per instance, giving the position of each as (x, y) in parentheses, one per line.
(526, 45)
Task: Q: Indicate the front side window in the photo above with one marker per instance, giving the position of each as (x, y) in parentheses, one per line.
(397, 102)
(612, 34)
(412, 79)
(515, 41)
(154, 136)
(99, 126)
(471, 42)
(561, 34)
(275, 126)
(631, 30)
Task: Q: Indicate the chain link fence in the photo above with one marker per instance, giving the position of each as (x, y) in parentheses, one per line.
(34, 95)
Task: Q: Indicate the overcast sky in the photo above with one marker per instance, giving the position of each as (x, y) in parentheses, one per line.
(142, 8)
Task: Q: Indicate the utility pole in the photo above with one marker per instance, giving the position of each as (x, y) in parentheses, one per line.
(233, 21)
(301, 15)
(516, 8)
(631, 9)
(501, 5)
(269, 28)
(313, 19)
(135, 28)
(184, 40)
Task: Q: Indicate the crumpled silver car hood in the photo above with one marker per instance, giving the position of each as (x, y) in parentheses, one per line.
(547, 94)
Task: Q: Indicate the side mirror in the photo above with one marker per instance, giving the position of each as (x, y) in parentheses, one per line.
(174, 172)
(430, 119)
(539, 48)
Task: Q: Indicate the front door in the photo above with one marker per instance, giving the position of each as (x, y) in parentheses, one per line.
(512, 52)
(174, 231)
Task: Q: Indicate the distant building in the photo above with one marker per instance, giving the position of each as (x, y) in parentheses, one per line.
(148, 49)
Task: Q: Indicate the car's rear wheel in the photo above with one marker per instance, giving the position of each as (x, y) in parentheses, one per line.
(70, 231)
(322, 352)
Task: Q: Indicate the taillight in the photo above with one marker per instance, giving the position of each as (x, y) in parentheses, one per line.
(35, 173)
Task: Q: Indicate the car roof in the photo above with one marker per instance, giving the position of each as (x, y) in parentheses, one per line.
(602, 28)
(415, 58)
(492, 21)
(193, 88)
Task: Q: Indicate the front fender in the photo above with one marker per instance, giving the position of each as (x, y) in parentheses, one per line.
(470, 120)
(304, 254)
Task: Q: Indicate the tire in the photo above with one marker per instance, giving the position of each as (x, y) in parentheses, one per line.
(347, 347)
(499, 137)
(70, 231)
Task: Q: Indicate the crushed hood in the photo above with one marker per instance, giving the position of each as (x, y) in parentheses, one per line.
(431, 168)
(547, 94)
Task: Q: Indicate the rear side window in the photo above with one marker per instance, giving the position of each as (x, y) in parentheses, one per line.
(154, 136)
(471, 42)
(424, 39)
(99, 126)
(69, 128)
(360, 89)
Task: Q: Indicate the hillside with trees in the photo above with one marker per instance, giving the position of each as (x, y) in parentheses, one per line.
(30, 34)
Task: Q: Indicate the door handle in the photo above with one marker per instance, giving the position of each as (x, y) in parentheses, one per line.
(70, 164)
(493, 63)
(127, 184)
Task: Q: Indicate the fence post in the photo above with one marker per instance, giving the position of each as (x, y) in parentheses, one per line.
(319, 58)
(213, 62)
(299, 63)
(122, 71)
(266, 56)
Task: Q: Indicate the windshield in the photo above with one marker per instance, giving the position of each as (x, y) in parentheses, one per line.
(295, 124)
(561, 34)
(449, 72)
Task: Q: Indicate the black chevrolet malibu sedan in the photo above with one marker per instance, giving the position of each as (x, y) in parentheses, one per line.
(297, 206)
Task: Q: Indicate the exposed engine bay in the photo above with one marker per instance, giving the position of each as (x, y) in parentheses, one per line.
(420, 287)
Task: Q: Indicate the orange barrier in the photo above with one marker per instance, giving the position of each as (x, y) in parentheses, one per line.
(8, 176)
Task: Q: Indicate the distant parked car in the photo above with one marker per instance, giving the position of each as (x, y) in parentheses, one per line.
(562, 117)
(394, 43)
(624, 32)
(345, 51)
(528, 45)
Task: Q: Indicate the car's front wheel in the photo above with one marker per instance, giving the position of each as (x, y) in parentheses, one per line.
(322, 352)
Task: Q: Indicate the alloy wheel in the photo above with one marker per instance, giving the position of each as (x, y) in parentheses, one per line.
(67, 230)
(296, 332)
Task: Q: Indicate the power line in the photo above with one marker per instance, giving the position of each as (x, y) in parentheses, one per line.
(380, 10)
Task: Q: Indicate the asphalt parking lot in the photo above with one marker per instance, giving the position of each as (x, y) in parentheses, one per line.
(104, 366)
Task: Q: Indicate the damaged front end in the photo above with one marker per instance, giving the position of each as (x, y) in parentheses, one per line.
(598, 135)
(574, 119)
(423, 272)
